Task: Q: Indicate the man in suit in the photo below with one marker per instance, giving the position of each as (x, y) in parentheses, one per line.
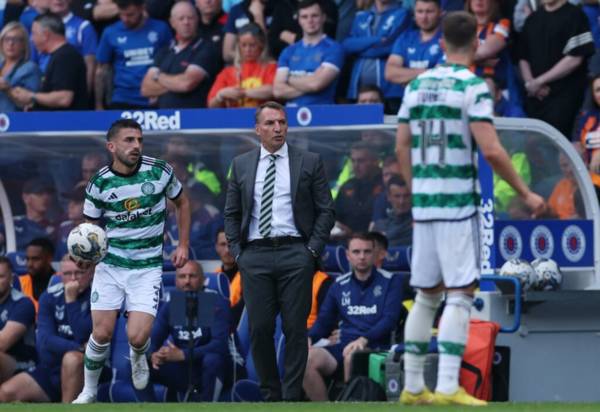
(278, 216)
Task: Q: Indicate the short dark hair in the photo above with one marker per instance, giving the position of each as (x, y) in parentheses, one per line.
(395, 180)
(436, 2)
(52, 22)
(303, 4)
(43, 242)
(361, 236)
(6, 261)
(122, 124)
(268, 105)
(123, 4)
(362, 145)
(459, 30)
(218, 232)
(366, 88)
(380, 239)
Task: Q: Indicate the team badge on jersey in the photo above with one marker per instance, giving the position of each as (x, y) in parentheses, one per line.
(573, 243)
(152, 36)
(94, 297)
(541, 242)
(4, 316)
(148, 188)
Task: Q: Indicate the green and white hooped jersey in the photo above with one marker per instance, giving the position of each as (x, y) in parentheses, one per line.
(438, 106)
(134, 207)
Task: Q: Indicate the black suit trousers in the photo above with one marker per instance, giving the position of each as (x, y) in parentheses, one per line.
(278, 280)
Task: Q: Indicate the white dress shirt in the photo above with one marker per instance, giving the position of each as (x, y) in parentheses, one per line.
(282, 219)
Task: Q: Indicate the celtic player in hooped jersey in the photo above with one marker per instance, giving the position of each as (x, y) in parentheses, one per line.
(131, 195)
(446, 115)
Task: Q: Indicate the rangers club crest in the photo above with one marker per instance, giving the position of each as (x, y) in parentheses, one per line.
(511, 243)
(573, 243)
(541, 242)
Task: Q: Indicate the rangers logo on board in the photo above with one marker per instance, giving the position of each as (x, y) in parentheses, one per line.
(4, 122)
(511, 243)
(573, 243)
(541, 242)
(304, 116)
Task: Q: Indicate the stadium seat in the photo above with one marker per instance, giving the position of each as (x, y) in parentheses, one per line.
(397, 259)
(329, 258)
(18, 261)
(342, 260)
(214, 280)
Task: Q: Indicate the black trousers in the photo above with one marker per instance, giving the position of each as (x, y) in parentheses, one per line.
(278, 280)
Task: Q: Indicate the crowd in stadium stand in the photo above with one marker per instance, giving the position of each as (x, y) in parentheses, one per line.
(538, 59)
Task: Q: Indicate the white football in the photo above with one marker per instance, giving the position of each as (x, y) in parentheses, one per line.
(87, 243)
(521, 269)
(548, 274)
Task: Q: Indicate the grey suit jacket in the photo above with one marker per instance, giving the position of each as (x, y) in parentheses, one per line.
(314, 213)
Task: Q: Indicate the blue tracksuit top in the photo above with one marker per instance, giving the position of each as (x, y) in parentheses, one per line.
(370, 308)
(367, 42)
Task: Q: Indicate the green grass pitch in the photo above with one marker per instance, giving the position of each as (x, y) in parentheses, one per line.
(288, 407)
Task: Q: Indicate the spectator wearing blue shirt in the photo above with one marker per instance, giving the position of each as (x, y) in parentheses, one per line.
(129, 46)
(371, 38)
(36, 222)
(35, 8)
(17, 326)
(15, 68)
(64, 325)
(307, 71)
(366, 303)
(417, 50)
(170, 354)
(79, 33)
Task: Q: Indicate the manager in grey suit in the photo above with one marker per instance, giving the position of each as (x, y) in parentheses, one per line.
(278, 215)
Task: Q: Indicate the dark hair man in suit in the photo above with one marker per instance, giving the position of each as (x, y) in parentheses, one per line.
(278, 216)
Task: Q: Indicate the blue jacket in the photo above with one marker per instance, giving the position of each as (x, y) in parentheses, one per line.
(366, 43)
(370, 309)
(206, 340)
(62, 327)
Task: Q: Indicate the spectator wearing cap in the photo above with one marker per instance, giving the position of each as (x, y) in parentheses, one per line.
(76, 197)
(37, 197)
(184, 71)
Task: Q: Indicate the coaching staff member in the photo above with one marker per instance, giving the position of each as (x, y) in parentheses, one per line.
(278, 216)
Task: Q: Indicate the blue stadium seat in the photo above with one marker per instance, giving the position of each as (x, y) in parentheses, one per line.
(329, 258)
(342, 259)
(218, 282)
(18, 261)
(247, 390)
(397, 259)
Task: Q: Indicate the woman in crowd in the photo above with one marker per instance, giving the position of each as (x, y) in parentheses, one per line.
(492, 33)
(588, 133)
(15, 67)
(249, 81)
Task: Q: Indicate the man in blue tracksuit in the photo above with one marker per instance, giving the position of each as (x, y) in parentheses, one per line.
(63, 326)
(170, 342)
(366, 302)
(373, 34)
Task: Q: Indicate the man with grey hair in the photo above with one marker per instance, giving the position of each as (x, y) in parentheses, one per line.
(64, 86)
(182, 72)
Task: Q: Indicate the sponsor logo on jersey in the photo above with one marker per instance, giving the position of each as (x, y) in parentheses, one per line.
(511, 243)
(573, 243)
(148, 188)
(131, 204)
(541, 242)
(362, 310)
(65, 330)
(185, 335)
